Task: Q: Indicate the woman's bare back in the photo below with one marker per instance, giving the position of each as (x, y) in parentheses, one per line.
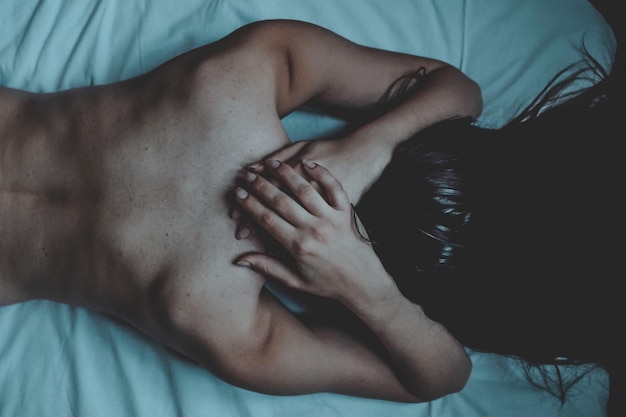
(139, 176)
(117, 197)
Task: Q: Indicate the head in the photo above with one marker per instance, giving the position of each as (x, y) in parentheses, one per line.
(478, 225)
(486, 228)
(457, 197)
(420, 208)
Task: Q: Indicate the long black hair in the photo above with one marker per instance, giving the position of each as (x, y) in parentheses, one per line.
(511, 237)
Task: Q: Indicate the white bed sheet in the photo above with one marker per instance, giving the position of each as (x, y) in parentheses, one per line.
(56, 360)
(61, 361)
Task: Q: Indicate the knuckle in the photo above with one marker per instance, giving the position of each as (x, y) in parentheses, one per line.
(281, 202)
(285, 171)
(311, 243)
(266, 219)
(302, 248)
(334, 184)
(264, 269)
(283, 166)
(331, 182)
(305, 190)
(261, 187)
(321, 234)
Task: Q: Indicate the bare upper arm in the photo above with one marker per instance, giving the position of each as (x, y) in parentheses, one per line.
(284, 356)
(313, 64)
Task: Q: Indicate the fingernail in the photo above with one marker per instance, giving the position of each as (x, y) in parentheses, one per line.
(273, 163)
(243, 233)
(309, 164)
(241, 193)
(250, 177)
(254, 166)
(244, 264)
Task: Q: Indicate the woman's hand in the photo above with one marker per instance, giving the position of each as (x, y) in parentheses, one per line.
(312, 218)
(316, 225)
(350, 161)
(355, 164)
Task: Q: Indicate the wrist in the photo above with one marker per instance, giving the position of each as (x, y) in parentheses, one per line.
(368, 155)
(379, 298)
(372, 146)
(391, 312)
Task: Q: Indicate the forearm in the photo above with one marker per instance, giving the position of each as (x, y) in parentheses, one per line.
(424, 352)
(321, 69)
(426, 358)
(444, 93)
(332, 261)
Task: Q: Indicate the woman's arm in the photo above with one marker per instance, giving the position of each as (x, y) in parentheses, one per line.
(318, 67)
(332, 260)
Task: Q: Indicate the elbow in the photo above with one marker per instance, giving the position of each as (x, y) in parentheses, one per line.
(446, 380)
(241, 368)
(473, 105)
(458, 383)
(436, 391)
(462, 96)
(476, 107)
(467, 93)
(454, 381)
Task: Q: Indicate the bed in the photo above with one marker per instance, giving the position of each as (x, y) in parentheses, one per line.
(57, 360)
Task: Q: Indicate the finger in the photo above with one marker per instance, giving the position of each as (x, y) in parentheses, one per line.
(235, 213)
(317, 187)
(257, 167)
(270, 267)
(265, 217)
(284, 154)
(245, 231)
(260, 169)
(301, 187)
(325, 180)
(288, 152)
(277, 200)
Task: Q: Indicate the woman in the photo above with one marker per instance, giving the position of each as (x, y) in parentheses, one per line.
(507, 237)
(116, 197)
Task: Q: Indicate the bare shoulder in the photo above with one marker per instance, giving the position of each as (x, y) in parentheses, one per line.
(275, 32)
(300, 55)
(266, 50)
(314, 65)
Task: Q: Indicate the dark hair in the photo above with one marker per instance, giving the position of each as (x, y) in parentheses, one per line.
(487, 228)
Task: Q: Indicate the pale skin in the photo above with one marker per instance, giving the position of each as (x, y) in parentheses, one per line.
(116, 198)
